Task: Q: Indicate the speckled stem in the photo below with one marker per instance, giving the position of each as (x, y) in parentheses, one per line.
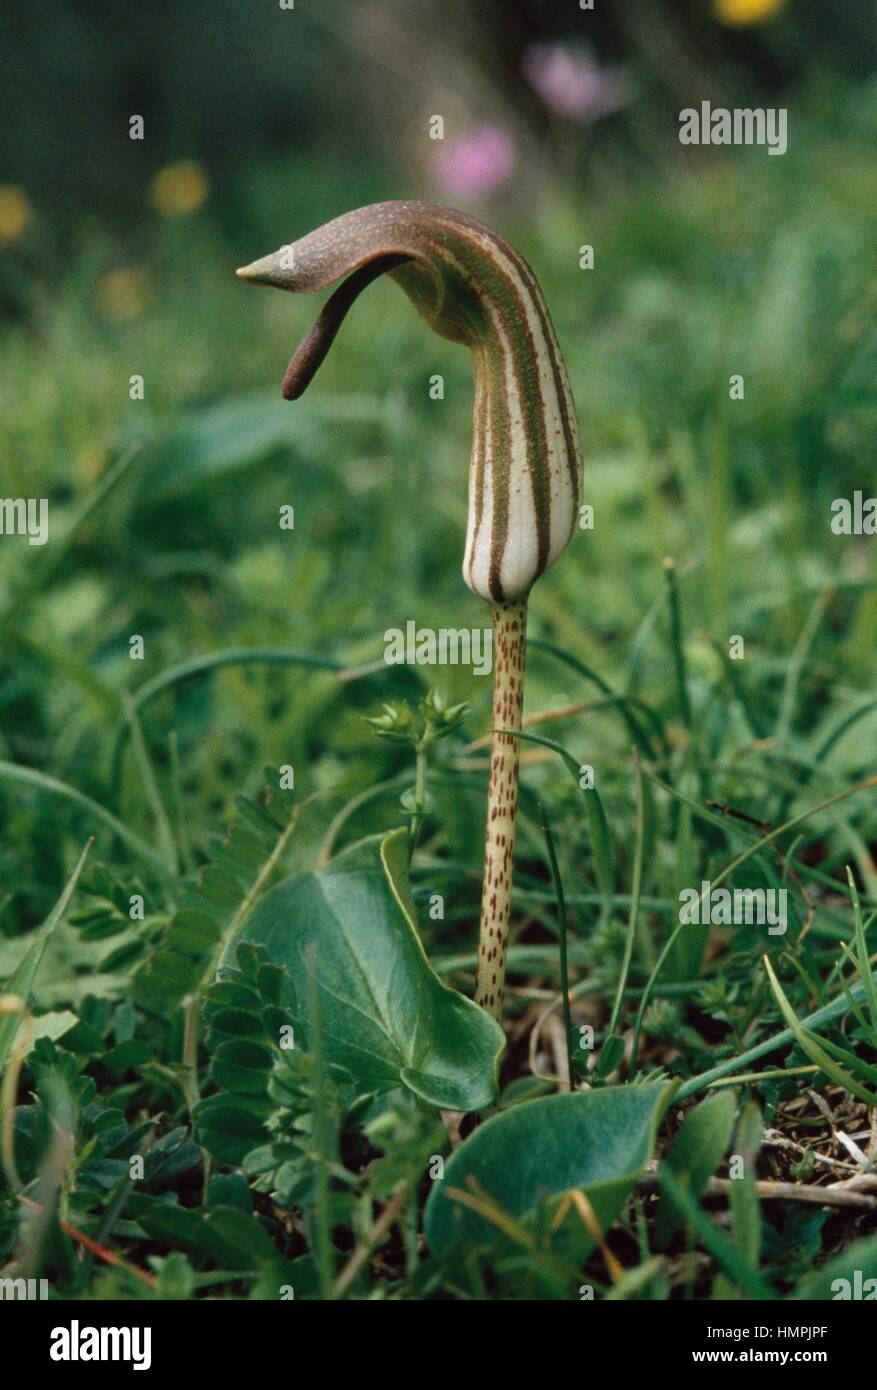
(509, 648)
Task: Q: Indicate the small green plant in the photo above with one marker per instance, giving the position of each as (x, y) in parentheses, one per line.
(433, 721)
(472, 287)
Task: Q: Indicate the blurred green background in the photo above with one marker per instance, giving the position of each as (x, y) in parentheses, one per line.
(117, 259)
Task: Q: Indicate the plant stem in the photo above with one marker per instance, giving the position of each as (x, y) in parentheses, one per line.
(419, 801)
(509, 651)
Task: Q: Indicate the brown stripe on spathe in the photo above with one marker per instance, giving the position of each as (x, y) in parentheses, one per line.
(482, 431)
(499, 474)
(561, 378)
(472, 287)
(524, 364)
(538, 460)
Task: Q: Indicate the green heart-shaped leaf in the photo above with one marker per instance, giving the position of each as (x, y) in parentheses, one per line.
(386, 1016)
(598, 1141)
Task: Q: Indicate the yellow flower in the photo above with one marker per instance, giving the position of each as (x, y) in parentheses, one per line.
(122, 294)
(179, 189)
(741, 12)
(15, 213)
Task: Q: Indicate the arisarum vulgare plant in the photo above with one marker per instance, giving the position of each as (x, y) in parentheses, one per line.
(472, 287)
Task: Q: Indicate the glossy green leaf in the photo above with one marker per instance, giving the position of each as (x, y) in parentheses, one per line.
(598, 1141)
(386, 1016)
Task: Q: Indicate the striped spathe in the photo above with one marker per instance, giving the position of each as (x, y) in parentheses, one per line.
(473, 288)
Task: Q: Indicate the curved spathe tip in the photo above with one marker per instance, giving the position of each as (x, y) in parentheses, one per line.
(262, 272)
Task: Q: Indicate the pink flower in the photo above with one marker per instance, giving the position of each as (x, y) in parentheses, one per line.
(477, 164)
(569, 82)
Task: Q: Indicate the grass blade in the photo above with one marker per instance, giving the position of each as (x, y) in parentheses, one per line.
(21, 981)
(745, 1207)
(16, 772)
(812, 1046)
(601, 843)
(634, 916)
(561, 927)
(864, 963)
(724, 1252)
(626, 703)
(680, 670)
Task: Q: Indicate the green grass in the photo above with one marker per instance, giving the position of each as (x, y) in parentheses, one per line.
(742, 268)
